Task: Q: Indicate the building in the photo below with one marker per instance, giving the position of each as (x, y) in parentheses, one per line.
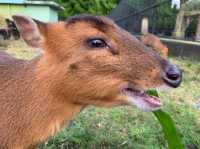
(43, 10)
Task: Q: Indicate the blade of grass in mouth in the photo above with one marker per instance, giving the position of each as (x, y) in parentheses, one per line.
(171, 135)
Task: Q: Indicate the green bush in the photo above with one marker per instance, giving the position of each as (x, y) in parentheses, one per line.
(166, 16)
(98, 7)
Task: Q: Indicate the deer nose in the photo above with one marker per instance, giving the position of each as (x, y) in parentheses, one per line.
(173, 75)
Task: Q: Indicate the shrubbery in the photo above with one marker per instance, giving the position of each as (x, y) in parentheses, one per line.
(99, 7)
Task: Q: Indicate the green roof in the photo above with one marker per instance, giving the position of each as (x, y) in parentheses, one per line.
(52, 4)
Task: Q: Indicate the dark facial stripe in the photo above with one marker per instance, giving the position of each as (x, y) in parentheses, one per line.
(95, 21)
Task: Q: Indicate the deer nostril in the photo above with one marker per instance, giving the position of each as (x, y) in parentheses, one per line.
(173, 75)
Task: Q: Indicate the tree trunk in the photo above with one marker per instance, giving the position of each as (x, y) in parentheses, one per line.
(197, 38)
(179, 31)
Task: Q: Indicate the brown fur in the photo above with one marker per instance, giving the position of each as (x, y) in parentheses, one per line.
(154, 42)
(37, 97)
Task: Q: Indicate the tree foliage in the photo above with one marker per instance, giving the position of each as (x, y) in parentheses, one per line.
(192, 5)
(166, 16)
(98, 7)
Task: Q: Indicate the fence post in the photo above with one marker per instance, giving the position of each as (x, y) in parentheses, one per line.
(145, 26)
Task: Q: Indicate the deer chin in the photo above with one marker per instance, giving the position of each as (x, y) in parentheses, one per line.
(141, 100)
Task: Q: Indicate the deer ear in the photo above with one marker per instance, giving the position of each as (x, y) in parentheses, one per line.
(32, 31)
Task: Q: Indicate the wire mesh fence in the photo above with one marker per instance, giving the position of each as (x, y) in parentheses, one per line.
(160, 14)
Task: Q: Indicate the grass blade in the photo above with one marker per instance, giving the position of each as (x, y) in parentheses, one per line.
(170, 132)
(168, 127)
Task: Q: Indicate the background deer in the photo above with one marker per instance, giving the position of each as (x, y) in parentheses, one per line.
(9, 30)
(154, 42)
(87, 60)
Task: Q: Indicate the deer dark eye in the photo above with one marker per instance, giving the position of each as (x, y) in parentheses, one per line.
(96, 43)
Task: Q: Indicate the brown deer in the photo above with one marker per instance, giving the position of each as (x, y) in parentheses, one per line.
(87, 60)
(154, 42)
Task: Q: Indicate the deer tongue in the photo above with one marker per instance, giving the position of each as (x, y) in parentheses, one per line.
(153, 101)
(142, 100)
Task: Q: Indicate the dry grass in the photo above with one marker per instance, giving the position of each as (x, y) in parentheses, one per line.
(2, 21)
(19, 49)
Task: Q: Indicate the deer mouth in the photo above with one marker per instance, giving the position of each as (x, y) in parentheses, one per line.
(141, 100)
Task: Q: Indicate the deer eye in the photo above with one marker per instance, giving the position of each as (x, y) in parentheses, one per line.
(96, 43)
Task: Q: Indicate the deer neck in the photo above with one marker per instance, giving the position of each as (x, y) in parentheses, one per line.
(42, 106)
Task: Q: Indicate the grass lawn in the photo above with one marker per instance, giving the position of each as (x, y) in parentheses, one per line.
(127, 127)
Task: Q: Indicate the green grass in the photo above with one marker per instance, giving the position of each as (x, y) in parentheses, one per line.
(127, 127)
